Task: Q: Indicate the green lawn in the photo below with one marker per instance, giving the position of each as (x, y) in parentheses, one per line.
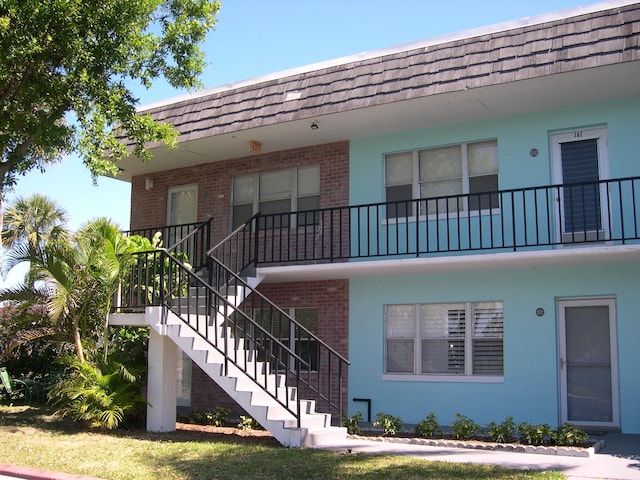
(33, 437)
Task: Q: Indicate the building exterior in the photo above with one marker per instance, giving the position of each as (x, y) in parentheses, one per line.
(470, 216)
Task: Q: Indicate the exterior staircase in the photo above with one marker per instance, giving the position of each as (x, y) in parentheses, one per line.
(213, 325)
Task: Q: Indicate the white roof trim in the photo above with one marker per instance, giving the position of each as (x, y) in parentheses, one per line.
(475, 32)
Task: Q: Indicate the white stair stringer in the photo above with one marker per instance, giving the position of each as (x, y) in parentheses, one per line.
(315, 429)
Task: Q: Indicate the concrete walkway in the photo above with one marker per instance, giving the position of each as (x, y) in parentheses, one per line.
(619, 459)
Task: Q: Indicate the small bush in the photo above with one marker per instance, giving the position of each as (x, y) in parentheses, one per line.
(390, 425)
(464, 428)
(219, 417)
(429, 427)
(248, 423)
(352, 423)
(503, 432)
(568, 435)
(534, 434)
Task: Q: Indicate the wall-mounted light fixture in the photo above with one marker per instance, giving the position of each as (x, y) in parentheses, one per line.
(314, 125)
(148, 184)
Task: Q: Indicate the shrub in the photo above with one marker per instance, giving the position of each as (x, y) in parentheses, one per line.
(102, 395)
(429, 427)
(503, 432)
(570, 435)
(248, 423)
(464, 428)
(218, 417)
(534, 434)
(390, 425)
(352, 423)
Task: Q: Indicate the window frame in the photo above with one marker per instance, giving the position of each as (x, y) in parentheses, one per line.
(417, 183)
(469, 337)
(294, 197)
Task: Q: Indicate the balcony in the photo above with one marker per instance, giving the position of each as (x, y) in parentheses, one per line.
(604, 213)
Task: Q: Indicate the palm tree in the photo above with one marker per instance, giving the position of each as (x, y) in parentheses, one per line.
(33, 220)
(72, 278)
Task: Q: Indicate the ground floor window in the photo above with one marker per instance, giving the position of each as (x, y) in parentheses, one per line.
(444, 339)
(299, 338)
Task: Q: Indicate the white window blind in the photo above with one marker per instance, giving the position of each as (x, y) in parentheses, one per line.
(444, 339)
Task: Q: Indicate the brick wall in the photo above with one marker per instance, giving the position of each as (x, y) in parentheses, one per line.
(148, 207)
(330, 297)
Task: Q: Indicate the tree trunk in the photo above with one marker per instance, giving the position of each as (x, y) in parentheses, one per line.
(76, 340)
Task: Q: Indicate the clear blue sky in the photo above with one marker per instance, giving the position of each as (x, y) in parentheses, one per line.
(258, 37)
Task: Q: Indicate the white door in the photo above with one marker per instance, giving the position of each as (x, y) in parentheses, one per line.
(588, 362)
(580, 158)
(182, 208)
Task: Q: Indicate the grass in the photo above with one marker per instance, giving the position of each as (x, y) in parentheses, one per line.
(41, 440)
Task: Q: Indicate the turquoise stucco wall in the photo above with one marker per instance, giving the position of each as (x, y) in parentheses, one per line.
(516, 136)
(530, 388)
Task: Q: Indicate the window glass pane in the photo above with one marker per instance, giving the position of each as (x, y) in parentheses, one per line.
(488, 357)
(309, 217)
(488, 332)
(486, 183)
(442, 321)
(399, 169)
(399, 193)
(401, 321)
(275, 206)
(307, 346)
(440, 163)
(243, 189)
(443, 356)
(488, 320)
(309, 203)
(399, 356)
(275, 185)
(482, 158)
(276, 214)
(309, 181)
(443, 333)
(440, 189)
(241, 213)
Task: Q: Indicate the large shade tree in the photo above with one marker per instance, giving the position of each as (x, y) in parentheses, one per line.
(67, 73)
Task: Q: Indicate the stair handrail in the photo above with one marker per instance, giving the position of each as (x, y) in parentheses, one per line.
(256, 292)
(268, 336)
(250, 227)
(200, 226)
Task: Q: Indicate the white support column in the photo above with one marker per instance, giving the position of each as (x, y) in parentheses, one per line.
(161, 383)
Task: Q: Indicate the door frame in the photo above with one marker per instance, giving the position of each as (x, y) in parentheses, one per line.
(577, 135)
(561, 304)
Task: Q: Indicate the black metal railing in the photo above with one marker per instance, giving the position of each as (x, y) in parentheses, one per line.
(515, 219)
(189, 240)
(253, 333)
(317, 369)
(158, 278)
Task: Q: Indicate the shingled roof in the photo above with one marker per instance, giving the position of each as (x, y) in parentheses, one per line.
(563, 45)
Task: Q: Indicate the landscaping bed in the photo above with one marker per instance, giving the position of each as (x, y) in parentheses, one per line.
(406, 438)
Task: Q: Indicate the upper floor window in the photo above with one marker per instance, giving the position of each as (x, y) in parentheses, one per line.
(457, 170)
(444, 339)
(276, 192)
